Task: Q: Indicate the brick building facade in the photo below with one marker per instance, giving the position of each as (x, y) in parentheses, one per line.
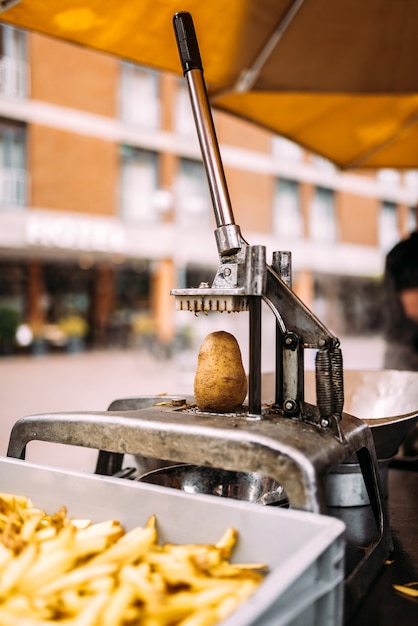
(104, 203)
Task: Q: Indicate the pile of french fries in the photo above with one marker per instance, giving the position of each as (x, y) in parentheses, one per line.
(57, 570)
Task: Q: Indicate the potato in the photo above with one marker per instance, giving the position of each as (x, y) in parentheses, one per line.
(220, 383)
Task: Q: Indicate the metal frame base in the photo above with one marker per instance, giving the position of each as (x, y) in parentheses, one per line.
(296, 454)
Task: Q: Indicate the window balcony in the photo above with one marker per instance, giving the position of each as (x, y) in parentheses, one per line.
(13, 182)
(13, 78)
(139, 97)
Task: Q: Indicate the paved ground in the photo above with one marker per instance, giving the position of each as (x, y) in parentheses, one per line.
(90, 381)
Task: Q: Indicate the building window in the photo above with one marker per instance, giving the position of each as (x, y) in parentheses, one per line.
(411, 180)
(192, 194)
(140, 104)
(286, 150)
(388, 230)
(13, 174)
(322, 223)
(388, 177)
(322, 164)
(13, 66)
(139, 183)
(350, 305)
(287, 216)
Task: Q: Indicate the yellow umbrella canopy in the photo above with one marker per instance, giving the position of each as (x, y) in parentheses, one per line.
(337, 76)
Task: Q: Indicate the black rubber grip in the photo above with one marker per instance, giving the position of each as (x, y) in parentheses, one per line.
(187, 42)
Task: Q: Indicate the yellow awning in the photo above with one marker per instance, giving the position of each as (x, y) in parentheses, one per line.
(340, 78)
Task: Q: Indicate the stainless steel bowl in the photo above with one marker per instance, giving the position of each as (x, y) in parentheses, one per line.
(387, 400)
(251, 487)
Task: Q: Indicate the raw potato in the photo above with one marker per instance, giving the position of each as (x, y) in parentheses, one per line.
(220, 383)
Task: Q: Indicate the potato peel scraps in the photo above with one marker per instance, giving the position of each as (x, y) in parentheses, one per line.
(408, 589)
(55, 570)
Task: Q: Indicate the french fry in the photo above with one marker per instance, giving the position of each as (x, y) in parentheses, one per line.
(227, 542)
(150, 586)
(131, 547)
(91, 613)
(77, 577)
(205, 617)
(97, 537)
(30, 526)
(117, 604)
(54, 570)
(13, 499)
(51, 563)
(5, 557)
(17, 568)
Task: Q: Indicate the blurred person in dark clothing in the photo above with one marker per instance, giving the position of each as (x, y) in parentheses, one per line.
(401, 287)
(401, 328)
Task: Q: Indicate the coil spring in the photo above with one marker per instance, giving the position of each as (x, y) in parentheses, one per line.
(324, 395)
(336, 357)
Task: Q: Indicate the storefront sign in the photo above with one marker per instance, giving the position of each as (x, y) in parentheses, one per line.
(70, 233)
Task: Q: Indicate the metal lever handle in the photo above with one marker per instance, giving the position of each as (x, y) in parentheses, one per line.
(229, 238)
(187, 42)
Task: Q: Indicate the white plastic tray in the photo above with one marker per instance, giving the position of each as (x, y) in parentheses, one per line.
(304, 551)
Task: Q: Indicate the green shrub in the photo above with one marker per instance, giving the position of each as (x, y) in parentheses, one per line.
(9, 323)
